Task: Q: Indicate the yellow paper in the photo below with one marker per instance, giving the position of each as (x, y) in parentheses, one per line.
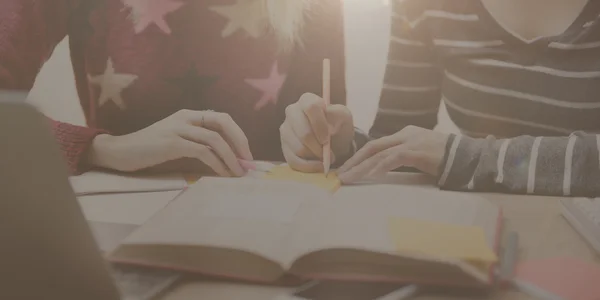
(467, 243)
(191, 178)
(329, 182)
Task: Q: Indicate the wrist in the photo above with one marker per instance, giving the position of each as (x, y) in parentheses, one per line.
(103, 152)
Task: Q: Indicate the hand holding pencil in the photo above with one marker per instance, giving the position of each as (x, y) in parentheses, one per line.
(316, 131)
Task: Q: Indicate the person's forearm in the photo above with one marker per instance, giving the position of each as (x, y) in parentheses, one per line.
(102, 153)
(560, 166)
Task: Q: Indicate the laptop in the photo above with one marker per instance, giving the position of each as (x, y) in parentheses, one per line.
(47, 248)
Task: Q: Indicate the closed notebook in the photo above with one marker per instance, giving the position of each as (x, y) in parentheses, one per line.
(258, 230)
(94, 183)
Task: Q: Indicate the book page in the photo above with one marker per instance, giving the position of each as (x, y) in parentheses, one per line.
(359, 217)
(256, 204)
(252, 215)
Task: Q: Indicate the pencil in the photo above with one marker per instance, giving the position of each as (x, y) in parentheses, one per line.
(326, 98)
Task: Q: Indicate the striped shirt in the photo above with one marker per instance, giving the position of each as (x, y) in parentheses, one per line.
(537, 101)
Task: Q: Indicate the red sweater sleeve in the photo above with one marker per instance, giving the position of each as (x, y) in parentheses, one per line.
(29, 32)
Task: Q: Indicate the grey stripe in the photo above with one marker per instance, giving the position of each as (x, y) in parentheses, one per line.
(444, 15)
(410, 89)
(401, 112)
(467, 44)
(583, 46)
(550, 165)
(407, 64)
(406, 42)
(539, 69)
(473, 113)
(520, 95)
(598, 146)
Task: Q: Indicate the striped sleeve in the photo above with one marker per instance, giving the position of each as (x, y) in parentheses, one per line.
(557, 166)
(411, 89)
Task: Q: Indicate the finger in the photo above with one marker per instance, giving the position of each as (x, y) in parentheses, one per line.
(338, 116)
(288, 137)
(229, 130)
(373, 166)
(205, 155)
(399, 157)
(216, 142)
(376, 146)
(300, 164)
(371, 149)
(361, 170)
(302, 129)
(314, 107)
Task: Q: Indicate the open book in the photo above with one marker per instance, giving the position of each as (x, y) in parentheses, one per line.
(260, 230)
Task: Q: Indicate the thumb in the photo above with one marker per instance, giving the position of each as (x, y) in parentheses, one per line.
(338, 117)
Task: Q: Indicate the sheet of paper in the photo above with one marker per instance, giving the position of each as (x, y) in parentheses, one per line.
(284, 172)
(93, 183)
(467, 243)
(569, 278)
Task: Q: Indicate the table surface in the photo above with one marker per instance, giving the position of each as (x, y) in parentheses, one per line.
(543, 233)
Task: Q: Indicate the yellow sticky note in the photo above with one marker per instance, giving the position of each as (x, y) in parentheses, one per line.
(329, 182)
(467, 243)
(191, 178)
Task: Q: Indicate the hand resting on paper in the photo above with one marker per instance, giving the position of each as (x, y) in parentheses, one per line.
(211, 138)
(308, 125)
(414, 147)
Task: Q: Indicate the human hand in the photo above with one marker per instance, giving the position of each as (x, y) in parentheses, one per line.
(308, 125)
(210, 137)
(414, 147)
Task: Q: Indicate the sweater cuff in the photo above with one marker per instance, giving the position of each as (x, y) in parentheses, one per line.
(461, 158)
(75, 142)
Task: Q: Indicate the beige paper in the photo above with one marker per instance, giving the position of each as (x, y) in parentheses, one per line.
(133, 208)
(95, 182)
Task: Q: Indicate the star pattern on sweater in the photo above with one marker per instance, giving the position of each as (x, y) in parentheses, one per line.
(147, 12)
(112, 85)
(191, 84)
(237, 16)
(269, 87)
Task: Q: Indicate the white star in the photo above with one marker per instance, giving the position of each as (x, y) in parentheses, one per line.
(237, 14)
(148, 12)
(112, 85)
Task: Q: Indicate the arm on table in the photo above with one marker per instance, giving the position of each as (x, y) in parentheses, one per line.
(558, 166)
(30, 32)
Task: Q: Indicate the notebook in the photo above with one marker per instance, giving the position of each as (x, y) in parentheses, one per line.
(94, 182)
(254, 230)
